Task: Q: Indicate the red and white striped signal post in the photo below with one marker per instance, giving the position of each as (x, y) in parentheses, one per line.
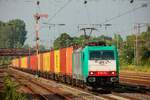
(37, 17)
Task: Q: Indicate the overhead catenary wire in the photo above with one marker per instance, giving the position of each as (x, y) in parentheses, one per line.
(110, 19)
(124, 13)
(130, 29)
(59, 10)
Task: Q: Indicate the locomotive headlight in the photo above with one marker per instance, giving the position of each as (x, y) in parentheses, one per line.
(91, 79)
(91, 73)
(112, 73)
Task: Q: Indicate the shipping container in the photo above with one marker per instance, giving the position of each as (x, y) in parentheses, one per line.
(41, 62)
(52, 62)
(33, 62)
(19, 62)
(69, 53)
(46, 62)
(77, 64)
(63, 61)
(66, 61)
(14, 62)
(29, 67)
(24, 62)
(57, 61)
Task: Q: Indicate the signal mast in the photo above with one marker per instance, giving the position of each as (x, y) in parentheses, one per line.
(37, 17)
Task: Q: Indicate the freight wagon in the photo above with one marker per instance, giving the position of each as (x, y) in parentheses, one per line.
(94, 65)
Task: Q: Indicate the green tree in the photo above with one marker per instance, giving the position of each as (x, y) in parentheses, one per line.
(18, 33)
(145, 47)
(127, 50)
(12, 34)
(64, 40)
(80, 41)
(117, 41)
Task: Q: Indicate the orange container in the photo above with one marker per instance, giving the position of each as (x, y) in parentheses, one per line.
(66, 61)
(28, 62)
(33, 62)
(63, 61)
(69, 52)
(41, 61)
(15, 63)
(19, 62)
(52, 61)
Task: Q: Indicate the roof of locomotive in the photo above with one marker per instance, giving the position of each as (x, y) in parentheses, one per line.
(100, 47)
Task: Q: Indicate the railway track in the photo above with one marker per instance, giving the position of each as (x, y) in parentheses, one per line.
(39, 90)
(2, 74)
(76, 93)
(28, 88)
(136, 79)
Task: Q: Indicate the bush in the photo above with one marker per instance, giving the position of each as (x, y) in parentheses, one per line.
(10, 90)
(144, 68)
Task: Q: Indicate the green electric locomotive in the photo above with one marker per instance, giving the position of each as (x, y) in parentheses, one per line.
(97, 66)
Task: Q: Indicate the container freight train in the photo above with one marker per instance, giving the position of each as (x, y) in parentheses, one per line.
(93, 66)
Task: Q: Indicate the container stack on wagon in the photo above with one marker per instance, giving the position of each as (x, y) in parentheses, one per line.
(33, 63)
(15, 63)
(24, 62)
(57, 64)
(66, 64)
(77, 67)
(46, 62)
(40, 62)
(52, 63)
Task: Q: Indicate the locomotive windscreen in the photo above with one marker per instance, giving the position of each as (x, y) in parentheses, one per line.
(102, 55)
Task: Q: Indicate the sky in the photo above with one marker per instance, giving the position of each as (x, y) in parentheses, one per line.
(74, 13)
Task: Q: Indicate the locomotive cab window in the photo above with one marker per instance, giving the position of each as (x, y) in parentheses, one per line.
(102, 55)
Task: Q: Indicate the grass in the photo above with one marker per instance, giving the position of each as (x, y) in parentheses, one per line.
(10, 92)
(145, 68)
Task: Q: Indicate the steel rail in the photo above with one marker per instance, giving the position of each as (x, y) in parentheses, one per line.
(46, 88)
(34, 93)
